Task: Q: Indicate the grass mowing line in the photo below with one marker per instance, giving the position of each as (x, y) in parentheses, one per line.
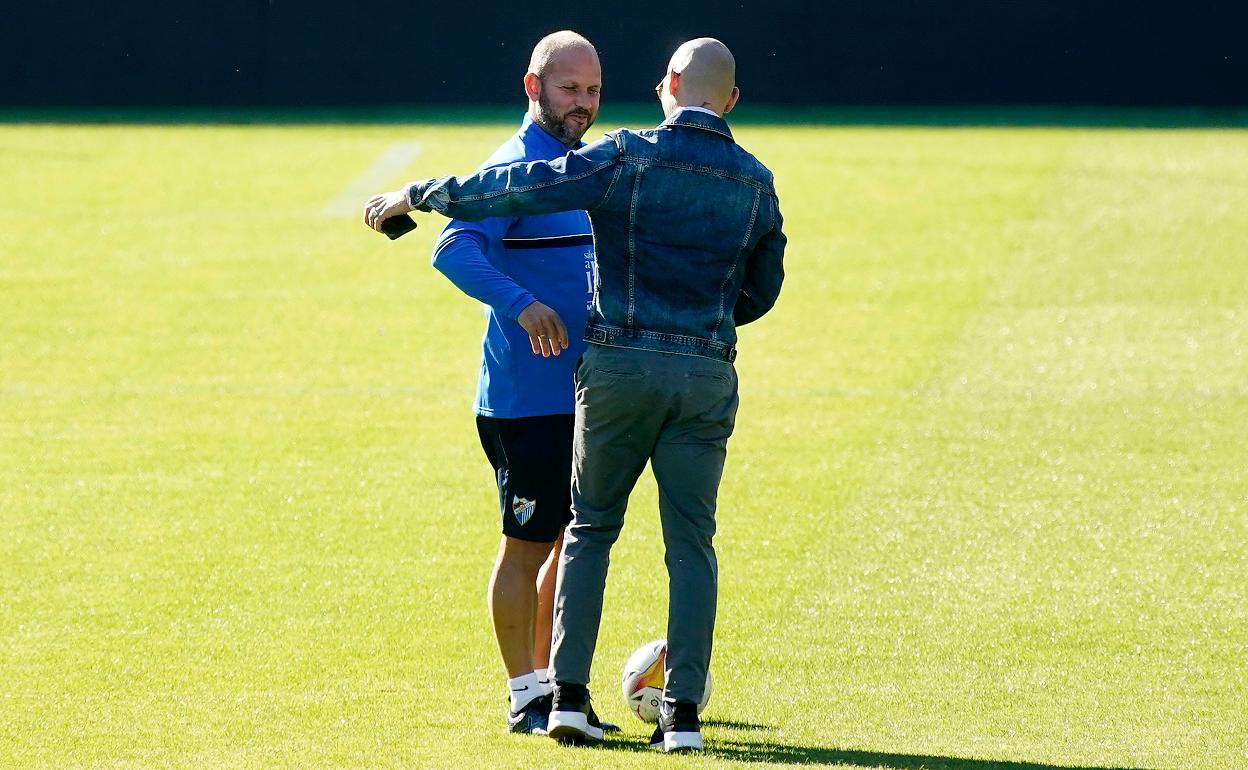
(350, 201)
(1017, 527)
(879, 487)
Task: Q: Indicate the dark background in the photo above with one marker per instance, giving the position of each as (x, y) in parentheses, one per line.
(278, 53)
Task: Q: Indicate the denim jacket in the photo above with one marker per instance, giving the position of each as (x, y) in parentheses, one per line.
(687, 229)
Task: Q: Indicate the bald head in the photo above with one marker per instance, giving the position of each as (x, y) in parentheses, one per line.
(557, 45)
(703, 73)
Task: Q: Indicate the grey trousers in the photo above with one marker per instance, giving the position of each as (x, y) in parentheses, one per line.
(677, 412)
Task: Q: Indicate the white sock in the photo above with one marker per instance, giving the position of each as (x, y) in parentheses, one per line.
(543, 678)
(524, 688)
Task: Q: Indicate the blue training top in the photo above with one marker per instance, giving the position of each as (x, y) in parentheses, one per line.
(507, 263)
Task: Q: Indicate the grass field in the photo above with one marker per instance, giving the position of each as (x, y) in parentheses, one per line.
(987, 503)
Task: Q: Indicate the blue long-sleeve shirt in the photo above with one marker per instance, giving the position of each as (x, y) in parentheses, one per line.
(507, 263)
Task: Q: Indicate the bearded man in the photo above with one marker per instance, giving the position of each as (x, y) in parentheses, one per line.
(534, 275)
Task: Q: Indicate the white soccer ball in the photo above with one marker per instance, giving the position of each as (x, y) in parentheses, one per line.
(644, 677)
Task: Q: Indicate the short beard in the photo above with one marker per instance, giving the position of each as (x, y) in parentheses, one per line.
(557, 124)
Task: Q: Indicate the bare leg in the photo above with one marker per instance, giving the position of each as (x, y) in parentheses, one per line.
(513, 601)
(546, 606)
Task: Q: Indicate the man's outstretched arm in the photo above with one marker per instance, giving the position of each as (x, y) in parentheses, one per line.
(578, 180)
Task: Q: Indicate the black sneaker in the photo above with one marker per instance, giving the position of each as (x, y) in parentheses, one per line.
(572, 718)
(532, 718)
(679, 728)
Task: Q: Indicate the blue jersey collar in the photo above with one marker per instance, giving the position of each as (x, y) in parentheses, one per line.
(533, 134)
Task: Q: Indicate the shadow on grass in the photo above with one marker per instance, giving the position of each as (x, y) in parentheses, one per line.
(789, 754)
(730, 725)
(783, 754)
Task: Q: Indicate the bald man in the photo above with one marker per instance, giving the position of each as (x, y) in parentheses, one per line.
(534, 276)
(689, 246)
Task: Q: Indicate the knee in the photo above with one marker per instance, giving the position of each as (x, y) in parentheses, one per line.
(580, 533)
(523, 555)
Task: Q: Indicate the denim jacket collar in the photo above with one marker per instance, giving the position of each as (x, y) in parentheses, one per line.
(698, 119)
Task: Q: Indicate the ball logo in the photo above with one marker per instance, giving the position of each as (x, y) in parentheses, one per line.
(652, 676)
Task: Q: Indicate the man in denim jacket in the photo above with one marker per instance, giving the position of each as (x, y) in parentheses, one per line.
(687, 233)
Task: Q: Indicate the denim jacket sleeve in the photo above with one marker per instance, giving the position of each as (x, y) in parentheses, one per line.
(578, 180)
(764, 272)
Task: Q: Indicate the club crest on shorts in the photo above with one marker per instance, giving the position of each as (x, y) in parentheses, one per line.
(523, 509)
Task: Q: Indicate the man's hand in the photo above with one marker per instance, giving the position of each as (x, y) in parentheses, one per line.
(381, 207)
(547, 334)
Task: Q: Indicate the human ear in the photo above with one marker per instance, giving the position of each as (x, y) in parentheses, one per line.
(532, 86)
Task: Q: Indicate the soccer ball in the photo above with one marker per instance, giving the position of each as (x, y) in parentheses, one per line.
(644, 677)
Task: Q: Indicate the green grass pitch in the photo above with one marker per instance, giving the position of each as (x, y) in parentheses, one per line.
(987, 503)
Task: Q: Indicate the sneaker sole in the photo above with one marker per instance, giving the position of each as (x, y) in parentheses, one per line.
(526, 727)
(682, 741)
(572, 727)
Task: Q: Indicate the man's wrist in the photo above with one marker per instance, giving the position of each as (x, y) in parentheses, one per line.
(414, 193)
(426, 195)
(519, 305)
